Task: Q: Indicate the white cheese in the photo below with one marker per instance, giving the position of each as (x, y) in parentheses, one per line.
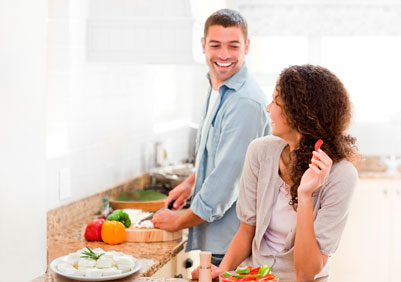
(125, 267)
(66, 268)
(104, 262)
(86, 262)
(127, 260)
(111, 271)
(110, 264)
(93, 272)
(71, 259)
(98, 251)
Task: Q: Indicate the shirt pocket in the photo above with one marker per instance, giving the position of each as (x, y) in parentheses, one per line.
(212, 141)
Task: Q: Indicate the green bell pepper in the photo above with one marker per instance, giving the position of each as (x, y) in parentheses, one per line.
(121, 216)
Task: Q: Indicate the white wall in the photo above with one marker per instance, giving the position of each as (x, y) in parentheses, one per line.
(100, 113)
(22, 139)
(70, 127)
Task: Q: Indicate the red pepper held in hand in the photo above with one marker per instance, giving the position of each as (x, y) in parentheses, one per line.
(93, 230)
(318, 144)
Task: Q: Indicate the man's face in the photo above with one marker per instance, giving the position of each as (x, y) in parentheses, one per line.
(225, 49)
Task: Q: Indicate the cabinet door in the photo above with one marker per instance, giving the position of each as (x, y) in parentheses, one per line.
(395, 230)
(363, 254)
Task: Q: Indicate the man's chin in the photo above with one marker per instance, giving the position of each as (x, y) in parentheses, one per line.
(224, 73)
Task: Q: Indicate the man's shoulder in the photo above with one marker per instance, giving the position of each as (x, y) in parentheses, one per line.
(251, 90)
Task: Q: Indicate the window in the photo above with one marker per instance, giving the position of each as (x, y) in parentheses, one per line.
(269, 55)
(370, 70)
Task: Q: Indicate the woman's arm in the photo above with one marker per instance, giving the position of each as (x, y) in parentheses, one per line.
(239, 249)
(308, 258)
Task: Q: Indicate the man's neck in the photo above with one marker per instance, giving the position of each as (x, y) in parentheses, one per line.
(215, 83)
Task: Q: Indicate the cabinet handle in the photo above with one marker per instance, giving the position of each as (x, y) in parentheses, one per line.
(188, 263)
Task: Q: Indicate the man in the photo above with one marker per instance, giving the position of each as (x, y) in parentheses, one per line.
(234, 116)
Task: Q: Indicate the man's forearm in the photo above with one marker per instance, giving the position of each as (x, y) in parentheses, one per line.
(188, 219)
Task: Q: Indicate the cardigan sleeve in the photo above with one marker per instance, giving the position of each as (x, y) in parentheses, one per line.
(246, 204)
(334, 206)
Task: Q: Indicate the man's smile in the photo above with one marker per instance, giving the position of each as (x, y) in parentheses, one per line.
(224, 65)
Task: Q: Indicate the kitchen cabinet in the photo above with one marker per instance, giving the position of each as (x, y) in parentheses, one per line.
(152, 31)
(183, 263)
(370, 248)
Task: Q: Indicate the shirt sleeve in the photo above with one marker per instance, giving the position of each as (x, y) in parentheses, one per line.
(246, 205)
(334, 208)
(241, 124)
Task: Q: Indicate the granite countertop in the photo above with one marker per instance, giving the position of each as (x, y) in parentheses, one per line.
(152, 255)
(65, 229)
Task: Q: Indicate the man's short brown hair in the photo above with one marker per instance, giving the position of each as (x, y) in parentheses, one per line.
(227, 18)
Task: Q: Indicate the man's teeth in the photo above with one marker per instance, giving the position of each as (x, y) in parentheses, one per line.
(223, 64)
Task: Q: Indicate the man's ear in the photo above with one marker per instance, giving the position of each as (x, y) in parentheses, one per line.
(203, 42)
(247, 46)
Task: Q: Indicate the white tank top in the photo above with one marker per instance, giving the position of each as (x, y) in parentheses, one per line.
(282, 220)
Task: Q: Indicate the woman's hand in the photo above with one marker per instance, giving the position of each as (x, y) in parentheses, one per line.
(317, 173)
(215, 272)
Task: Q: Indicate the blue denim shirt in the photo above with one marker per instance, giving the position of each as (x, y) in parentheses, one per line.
(238, 117)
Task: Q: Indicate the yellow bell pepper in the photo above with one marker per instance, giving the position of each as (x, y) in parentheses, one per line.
(113, 232)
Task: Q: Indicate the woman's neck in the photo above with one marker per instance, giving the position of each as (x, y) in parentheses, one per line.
(285, 165)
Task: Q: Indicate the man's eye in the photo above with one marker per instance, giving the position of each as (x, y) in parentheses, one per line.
(235, 47)
(214, 46)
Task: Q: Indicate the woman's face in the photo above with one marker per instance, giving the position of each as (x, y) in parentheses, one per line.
(280, 126)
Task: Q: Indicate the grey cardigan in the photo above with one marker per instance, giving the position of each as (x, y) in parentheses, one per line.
(259, 188)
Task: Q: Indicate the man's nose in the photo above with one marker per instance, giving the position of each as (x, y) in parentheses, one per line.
(224, 53)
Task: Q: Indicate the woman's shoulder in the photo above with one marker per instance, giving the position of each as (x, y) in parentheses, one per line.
(344, 172)
(345, 168)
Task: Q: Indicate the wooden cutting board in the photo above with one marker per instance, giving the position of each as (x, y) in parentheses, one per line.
(151, 235)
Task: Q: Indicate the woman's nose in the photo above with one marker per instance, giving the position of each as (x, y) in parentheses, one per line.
(268, 107)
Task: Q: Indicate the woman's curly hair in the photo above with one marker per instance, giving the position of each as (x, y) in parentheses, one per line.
(318, 106)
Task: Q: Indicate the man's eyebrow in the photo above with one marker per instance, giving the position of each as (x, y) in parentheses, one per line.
(231, 42)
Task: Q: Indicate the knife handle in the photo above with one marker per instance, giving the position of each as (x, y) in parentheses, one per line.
(171, 205)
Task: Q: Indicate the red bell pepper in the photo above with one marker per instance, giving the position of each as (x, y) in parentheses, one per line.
(318, 144)
(257, 274)
(93, 230)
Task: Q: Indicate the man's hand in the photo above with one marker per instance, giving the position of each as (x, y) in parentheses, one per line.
(172, 220)
(166, 220)
(215, 272)
(181, 193)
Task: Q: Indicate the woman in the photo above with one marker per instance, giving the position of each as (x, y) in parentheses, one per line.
(294, 201)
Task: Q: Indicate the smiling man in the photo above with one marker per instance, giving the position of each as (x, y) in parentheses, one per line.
(234, 115)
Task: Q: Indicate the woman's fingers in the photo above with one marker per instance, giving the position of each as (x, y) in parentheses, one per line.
(195, 273)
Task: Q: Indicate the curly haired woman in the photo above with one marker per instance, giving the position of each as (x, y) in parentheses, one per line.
(294, 201)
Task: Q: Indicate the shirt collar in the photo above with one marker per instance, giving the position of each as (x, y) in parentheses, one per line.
(236, 80)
